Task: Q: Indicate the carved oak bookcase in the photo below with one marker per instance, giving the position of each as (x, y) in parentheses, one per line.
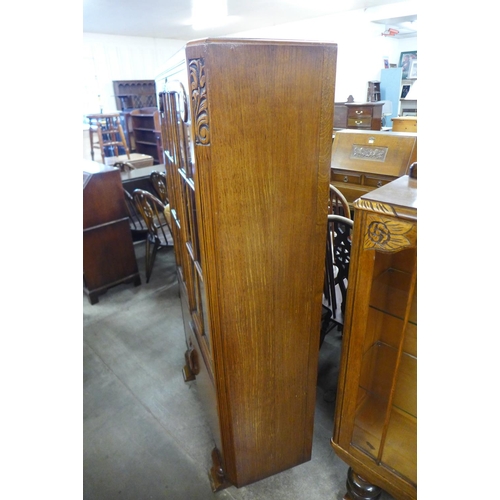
(246, 128)
(375, 429)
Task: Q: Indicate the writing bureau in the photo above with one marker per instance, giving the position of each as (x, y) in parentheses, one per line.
(375, 429)
(364, 160)
(108, 251)
(247, 127)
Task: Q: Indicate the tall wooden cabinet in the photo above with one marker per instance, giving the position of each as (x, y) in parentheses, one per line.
(247, 130)
(375, 428)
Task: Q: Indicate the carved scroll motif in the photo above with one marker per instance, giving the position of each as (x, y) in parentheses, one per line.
(389, 234)
(381, 208)
(197, 83)
(370, 153)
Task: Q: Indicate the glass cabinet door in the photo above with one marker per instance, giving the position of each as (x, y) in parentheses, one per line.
(385, 417)
(179, 158)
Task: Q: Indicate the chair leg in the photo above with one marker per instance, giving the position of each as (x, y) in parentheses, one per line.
(150, 257)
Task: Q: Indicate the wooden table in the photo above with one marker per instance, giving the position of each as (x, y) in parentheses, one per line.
(139, 178)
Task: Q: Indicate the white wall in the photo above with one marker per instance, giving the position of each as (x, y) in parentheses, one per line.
(361, 50)
(361, 47)
(110, 57)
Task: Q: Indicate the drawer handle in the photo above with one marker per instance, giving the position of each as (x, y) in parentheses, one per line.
(360, 112)
(346, 179)
(379, 184)
(358, 122)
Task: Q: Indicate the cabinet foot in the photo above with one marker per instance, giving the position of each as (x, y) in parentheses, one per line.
(360, 489)
(216, 473)
(192, 367)
(187, 374)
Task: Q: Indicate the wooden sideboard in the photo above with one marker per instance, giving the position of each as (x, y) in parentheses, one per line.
(340, 116)
(375, 429)
(250, 239)
(364, 160)
(108, 252)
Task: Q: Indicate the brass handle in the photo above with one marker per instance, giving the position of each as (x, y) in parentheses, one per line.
(358, 122)
(379, 184)
(360, 112)
(346, 179)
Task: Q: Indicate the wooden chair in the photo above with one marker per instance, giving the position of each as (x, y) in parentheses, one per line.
(338, 204)
(159, 235)
(159, 181)
(137, 225)
(109, 133)
(338, 256)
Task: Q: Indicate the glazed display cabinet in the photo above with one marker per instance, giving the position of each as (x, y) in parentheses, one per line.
(375, 430)
(246, 128)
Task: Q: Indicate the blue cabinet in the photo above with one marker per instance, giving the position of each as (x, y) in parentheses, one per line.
(390, 88)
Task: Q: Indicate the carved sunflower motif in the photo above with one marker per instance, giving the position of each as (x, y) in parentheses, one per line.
(387, 234)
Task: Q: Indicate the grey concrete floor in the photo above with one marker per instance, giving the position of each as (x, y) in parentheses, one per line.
(144, 431)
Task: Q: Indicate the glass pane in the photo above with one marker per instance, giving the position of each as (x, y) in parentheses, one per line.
(386, 412)
(400, 447)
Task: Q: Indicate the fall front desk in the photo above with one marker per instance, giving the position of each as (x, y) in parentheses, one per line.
(108, 252)
(364, 160)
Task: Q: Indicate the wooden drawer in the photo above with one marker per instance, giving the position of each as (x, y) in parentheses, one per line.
(360, 112)
(346, 177)
(359, 122)
(377, 180)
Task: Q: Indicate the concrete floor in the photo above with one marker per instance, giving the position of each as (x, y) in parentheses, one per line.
(144, 431)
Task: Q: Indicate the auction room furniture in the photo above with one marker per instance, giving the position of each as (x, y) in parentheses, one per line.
(138, 227)
(364, 160)
(373, 92)
(153, 214)
(337, 262)
(139, 178)
(109, 133)
(366, 115)
(404, 124)
(248, 127)
(129, 95)
(340, 116)
(108, 252)
(159, 181)
(146, 131)
(375, 430)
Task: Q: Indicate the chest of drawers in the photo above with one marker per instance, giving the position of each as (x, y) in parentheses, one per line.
(364, 115)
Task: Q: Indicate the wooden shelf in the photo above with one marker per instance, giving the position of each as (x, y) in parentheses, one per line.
(145, 129)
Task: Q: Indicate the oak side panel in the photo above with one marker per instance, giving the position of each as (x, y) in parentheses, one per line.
(262, 189)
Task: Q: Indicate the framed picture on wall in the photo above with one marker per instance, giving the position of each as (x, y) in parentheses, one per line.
(413, 69)
(405, 62)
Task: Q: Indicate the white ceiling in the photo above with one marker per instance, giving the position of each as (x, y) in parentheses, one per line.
(171, 18)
